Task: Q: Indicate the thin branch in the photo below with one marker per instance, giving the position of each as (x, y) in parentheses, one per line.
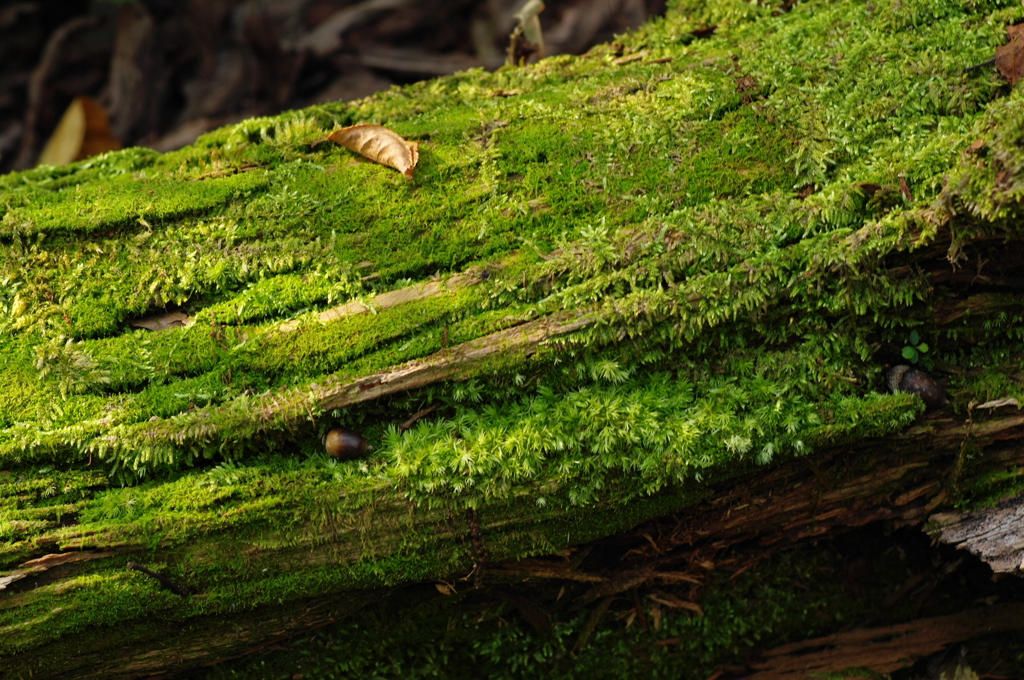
(416, 417)
(524, 340)
(167, 583)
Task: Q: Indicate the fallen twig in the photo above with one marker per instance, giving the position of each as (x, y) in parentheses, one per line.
(415, 417)
(167, 583)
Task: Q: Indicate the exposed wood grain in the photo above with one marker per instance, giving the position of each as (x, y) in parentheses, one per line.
(996, 535)
(394, 298)
(524, 339)
(885, 649)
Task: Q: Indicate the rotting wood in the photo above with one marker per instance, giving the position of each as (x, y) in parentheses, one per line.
(782, 505)
(188, 644)
(901, 479)
(523, 339)
(996, 535)
(46, 562)
(99, 658)
(536, 568)
(947, 313)
(56, 559)
(797, 504)
(626, 580)
(884, 649)
(390, 299)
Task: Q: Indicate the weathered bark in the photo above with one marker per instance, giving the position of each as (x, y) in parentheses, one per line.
(994, 535)
(522, 340)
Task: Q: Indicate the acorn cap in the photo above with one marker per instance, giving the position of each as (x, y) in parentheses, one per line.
(893, 377)
(903, 378)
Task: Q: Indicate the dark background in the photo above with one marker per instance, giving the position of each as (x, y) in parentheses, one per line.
(166, 71)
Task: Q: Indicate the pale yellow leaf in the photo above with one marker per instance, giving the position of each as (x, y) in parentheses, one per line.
(83, 131)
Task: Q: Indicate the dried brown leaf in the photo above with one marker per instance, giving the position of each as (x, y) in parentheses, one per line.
(379, 144)
(1010, 57)
(746, 84)
(905, 190)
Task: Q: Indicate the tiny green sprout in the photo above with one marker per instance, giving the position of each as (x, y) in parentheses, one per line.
(914, 348)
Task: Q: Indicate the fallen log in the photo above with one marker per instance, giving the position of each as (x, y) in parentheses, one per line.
(670, 336)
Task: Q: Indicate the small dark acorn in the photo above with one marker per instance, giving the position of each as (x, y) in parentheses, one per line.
(346, 444)
(903, 378)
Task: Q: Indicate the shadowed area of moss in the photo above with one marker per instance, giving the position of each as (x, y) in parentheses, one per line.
(724, 218)
(797, 593)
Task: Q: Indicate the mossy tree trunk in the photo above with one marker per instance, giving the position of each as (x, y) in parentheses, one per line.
(664, 277)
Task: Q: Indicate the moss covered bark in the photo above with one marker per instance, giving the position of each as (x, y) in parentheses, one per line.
(688, 258)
